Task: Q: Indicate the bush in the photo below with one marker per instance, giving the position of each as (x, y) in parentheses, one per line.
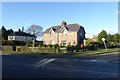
(73, 48)
(70, 48)
(46, 50)
(87, 42)
(22, 49)
(93, 46)
(13, 43)
(7, 48)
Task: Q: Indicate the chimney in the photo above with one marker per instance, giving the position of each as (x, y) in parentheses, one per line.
(19, 30)
(64, 23)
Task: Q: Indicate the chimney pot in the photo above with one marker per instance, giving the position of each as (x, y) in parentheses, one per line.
(64, 23)
(19, 30)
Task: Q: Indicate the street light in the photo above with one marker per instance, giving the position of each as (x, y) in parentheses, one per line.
(103, 39)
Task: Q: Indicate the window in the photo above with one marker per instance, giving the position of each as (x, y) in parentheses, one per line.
(64, 42)
(11, 37)
(44, 42)
(74, 43)
(50, 34)
(81, 34)
(52, 42)
(64, 33)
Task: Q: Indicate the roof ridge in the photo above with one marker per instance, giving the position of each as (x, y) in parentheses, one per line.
(71, 27)
(21, 33)
(66, 25)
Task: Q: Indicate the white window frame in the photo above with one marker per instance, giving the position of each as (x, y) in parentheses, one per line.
(52, 42)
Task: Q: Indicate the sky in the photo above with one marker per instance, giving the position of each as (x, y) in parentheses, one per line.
(93, 16)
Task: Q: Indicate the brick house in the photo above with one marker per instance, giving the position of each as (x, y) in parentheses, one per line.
(64, 34)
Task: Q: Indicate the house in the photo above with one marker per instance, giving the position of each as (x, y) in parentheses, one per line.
(21, 36)
(65, 34)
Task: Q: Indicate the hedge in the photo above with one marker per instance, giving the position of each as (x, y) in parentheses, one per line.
(21, 43)
(7, 48)
(36, 49)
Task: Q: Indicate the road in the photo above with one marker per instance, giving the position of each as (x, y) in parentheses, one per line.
(44, 66)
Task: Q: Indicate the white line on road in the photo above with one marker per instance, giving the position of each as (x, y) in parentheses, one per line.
(43, 62)
(39, 62)
(107, 54)
(94, 60)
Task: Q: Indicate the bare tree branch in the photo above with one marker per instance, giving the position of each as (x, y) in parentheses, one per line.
(36, 30)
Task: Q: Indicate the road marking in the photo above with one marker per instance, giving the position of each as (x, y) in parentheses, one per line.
(78, 70)
(106, 54)
(43, 62)
(94, 60)
(101, 61)
(39, 62)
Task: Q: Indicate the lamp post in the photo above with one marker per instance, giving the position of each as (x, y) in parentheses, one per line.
(103, 39)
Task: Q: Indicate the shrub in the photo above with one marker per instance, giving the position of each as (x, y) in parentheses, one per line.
(113, 44)
(87, 42)
(62, 46)
(13, 43)
(93, 46)
(7, 48)
(22, 49)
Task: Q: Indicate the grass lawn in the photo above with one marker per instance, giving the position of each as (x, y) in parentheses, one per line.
(100, 51)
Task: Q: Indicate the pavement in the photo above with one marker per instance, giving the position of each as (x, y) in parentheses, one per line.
(46, 66)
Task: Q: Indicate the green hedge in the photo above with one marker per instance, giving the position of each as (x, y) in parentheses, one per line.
(22, 49)
(7, 48)
(36, 49)
(21, 43)
(13, 43)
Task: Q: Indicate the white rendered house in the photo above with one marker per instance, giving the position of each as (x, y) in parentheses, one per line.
(21, 36)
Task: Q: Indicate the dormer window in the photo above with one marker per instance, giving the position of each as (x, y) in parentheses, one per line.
(64, 31)
(51, 32)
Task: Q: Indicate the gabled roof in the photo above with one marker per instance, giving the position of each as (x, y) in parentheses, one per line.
(20, 33)
(62, 29)
(70, 27)
(51, 29)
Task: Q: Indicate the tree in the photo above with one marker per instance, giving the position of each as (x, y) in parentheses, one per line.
(101, 35)
(88, 41)
(5, 33)
(35, 30)
(9, 31)
(0, 35)
(117, 37)
(109, 38)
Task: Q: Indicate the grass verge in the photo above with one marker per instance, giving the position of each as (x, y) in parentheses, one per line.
(100, 51)
(86, 53)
